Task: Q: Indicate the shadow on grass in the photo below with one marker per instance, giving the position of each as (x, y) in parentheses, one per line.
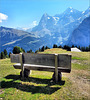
(34, 80)
(47, 89)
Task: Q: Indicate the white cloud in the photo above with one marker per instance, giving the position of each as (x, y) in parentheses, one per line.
(25, 28)
(3, 17)
(34, 23)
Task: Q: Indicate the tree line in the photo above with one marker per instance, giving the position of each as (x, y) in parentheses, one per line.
(4, 54)
(17, 50)
(68, 48)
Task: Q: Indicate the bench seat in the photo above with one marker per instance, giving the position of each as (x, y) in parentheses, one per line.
(41, 67)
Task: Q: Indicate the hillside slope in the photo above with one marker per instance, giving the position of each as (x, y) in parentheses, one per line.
(11, 37)
(81, 35)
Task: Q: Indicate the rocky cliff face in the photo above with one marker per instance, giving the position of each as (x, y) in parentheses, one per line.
(81, 35)
(60, 26)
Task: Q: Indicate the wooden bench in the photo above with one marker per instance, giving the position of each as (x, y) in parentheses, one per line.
(56, 63)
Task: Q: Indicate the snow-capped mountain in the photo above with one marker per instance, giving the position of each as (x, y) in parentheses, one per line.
(60, 26)
(57, 22)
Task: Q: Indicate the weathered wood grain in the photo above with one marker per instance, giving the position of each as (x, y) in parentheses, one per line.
(41, 68)
(64, 60)
(15, 58)
(22, 65)
(56, 67)
(39, 59)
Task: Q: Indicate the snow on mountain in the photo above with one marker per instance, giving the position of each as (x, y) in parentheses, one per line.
(55, 23)
(87, 12)
(60, 25)
(56, 20)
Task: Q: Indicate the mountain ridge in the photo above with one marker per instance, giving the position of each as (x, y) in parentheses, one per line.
(81, 35)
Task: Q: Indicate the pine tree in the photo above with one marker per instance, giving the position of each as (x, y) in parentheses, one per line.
(30, 51)
(36, 51)
(9, 54)
(47, 47)
(60, 46)
(72, 46)
(22, 49)
(16, 50)
(43, 48)
(79, 48)
(87, 49)
(2, 55)
(83, 48)
(5, 52)
(55, 46)
(64, 47)
(39, 49)
(68, 48)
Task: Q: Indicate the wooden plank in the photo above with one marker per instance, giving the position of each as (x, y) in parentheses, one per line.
(15, 58)
(56, 67)
(41, 68)
(39, 59)
(64, 60)
(17, 66)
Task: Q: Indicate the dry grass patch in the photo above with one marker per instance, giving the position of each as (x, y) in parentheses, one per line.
(54, 51)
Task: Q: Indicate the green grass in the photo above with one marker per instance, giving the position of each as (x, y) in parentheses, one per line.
(78, 58)
(39, 85)
(80, 66)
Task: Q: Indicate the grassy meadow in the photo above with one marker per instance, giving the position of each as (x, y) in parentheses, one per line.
(39, 86)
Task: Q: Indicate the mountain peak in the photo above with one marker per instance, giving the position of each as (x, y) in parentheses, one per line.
(45, 15)
(70, 10)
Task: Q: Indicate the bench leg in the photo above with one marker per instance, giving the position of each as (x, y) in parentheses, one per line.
(26, 73)
(59, 76)
(56, 67)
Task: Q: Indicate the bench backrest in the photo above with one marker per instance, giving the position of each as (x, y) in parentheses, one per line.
(63, 60)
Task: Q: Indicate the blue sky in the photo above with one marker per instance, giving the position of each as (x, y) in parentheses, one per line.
(27, 13)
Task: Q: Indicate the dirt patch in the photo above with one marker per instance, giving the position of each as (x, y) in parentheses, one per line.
(83, 62)
(1, 91)
(81, 80)
(75, 61)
